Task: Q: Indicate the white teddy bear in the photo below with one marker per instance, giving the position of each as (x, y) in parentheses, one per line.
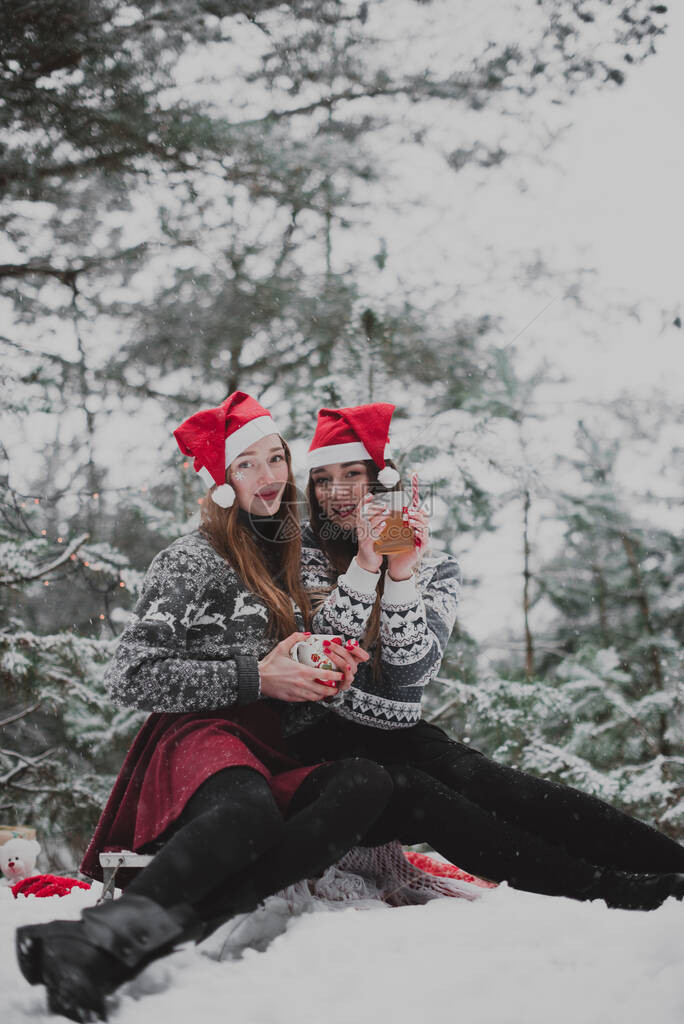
(18, 859)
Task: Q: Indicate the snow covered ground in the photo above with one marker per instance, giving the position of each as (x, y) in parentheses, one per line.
(505, 958)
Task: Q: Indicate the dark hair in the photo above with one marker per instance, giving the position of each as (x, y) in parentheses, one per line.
(340, 547)
(236, 544)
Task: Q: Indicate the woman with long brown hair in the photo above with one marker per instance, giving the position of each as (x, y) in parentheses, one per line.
(492, 820)
(204, 786)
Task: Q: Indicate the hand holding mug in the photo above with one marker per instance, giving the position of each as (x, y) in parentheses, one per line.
(285, 679)
(327, 653)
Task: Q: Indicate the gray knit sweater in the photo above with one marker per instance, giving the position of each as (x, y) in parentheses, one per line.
(416, 620)
(194, 638)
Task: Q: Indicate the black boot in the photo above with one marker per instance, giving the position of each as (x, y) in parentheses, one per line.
(630, 891)
(82, 962)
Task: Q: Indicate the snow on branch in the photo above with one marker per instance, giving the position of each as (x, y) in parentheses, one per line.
(68, 275)
(20, 714)
(25, 762)
(63, 557)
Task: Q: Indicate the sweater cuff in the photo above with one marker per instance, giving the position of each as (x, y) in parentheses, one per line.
(358, 579)
(249, 681)
(399, 591)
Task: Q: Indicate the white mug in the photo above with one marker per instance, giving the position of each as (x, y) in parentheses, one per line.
(311, 652)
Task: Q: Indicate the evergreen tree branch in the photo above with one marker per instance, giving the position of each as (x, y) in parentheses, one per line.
(68, 275)
(451, 702)
(265, 361)
(20, 714)
(50, 356)
(444, 709)
(447, 90)
(186, 399)
(64, 557)
(28, 762)
(39, 789)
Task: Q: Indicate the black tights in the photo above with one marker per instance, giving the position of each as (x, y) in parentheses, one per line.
(543, 815)
(582, 824)
(231, 847)
(422, 809)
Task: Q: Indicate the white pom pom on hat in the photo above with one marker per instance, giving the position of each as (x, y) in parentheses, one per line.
(388, 477)
(224, 496)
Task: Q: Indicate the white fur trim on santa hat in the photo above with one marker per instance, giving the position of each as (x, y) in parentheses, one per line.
(242, 438)
(236, 443)
(224, 496)
(351, 451)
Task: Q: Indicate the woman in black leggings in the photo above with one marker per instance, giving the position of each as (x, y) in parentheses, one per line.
(422, 809)
(206, 652)
(401, 604)
(230, 848)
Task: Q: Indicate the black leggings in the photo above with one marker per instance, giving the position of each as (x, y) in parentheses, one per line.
(231, 847)
(422, 809)
(546, 815)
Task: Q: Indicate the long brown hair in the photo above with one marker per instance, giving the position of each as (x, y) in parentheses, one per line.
(341, 549)
(236, 544)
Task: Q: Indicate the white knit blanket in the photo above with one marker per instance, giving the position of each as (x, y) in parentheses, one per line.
(363, 879)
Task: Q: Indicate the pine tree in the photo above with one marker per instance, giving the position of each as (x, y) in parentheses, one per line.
(599, 702)
(613, 583)
(163, 251)
(61, 738)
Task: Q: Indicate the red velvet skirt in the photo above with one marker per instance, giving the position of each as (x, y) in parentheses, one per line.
(171, 756)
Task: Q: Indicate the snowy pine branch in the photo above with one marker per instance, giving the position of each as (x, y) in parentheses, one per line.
(38, 573)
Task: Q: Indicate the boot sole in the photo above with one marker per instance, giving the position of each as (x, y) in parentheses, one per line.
(69, 991)
(28, 945)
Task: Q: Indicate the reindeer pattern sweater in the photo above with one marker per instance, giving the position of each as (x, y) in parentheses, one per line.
(195, 637)
(194, 640)
(416, 620)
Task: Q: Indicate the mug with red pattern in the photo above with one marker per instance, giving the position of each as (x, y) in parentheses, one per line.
(312, 651)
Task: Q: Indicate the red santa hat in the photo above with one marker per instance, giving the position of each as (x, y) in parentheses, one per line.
(217, 436)
(351, 435)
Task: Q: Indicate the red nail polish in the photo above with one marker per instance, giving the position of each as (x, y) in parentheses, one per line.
(337, 639)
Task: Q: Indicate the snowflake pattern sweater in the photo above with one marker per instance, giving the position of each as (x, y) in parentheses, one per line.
(416, 620)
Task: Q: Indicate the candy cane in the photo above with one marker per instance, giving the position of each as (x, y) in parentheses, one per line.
(415, 496)
(415, 501)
